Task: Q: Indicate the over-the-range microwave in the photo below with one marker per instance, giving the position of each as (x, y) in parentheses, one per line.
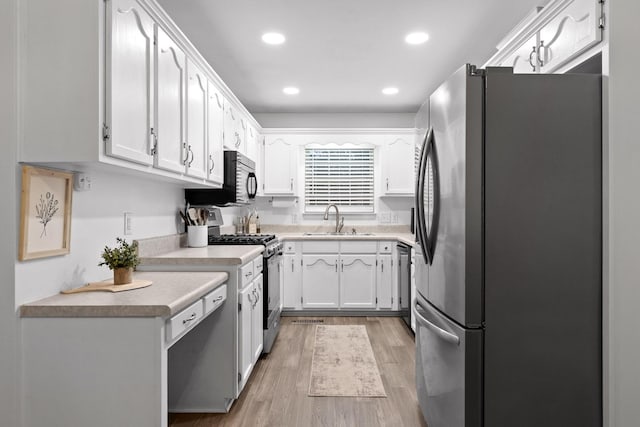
(239, 188)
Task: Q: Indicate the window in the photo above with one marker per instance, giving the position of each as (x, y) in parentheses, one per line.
(343, 176)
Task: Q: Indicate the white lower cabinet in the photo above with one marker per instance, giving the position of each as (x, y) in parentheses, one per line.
(291, 282)
(320, 281)
(249, 321)
(258, 309)
(340, 275)
(357, 281)
(384, 282)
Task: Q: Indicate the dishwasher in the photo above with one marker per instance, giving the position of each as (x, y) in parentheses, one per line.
(404, 282)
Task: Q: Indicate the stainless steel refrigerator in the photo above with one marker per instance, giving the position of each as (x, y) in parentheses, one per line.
(508, 262)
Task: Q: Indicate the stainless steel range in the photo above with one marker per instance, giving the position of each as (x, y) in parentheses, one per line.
(271, 275)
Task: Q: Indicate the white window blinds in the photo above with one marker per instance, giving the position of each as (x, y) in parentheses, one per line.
(343, 176)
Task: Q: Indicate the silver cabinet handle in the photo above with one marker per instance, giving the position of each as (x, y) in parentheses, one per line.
(212, 163)
(533, 52)
(154, 149)
(291, 183)
(387, 184)
(540, 60)
(249, 274)
(218, 299)
(186, 153)
(189, 319)
(447, 336)
(192, 156)
(382, 266)
(292, 265)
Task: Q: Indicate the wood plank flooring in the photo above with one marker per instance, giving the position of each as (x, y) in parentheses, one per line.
(276, 394)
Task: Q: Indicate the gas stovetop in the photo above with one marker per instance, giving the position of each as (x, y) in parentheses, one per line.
(242, 239)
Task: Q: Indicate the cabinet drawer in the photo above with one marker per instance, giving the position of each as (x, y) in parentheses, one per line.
(257, 266)
(359, 247)
(290, 247)
(214, 299)
(246, 274)
(386, 247)
(184, 320)
(318, 247)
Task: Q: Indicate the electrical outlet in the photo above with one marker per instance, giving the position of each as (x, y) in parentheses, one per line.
(384, 217)
(81, 182)
(128, 223)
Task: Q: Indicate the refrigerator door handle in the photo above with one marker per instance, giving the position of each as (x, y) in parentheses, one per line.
(432, 237)
(446, 336)
(419, 199)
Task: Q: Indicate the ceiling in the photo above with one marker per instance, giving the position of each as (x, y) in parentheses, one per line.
(342, 53)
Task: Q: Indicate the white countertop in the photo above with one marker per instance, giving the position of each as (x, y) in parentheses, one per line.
(169, 293)
(220, 255)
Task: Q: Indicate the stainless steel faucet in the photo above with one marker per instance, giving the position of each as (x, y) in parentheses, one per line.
(339, 221)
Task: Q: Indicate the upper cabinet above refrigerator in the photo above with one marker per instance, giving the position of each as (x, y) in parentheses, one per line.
(552, 36)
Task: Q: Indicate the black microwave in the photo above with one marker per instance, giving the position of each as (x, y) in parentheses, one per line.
(239, 188)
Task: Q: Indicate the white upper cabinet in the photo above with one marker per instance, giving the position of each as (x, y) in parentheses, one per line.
(572, 31)
(397, 165)
(196, 141)
(233, 138)
(215, 132)
(252, 140)
(137, 97)
(552, 36)
(280, 165)
(130, 68)
(524, 59)
(170, 98)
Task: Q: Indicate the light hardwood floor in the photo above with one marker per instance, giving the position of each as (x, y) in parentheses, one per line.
(276, 394)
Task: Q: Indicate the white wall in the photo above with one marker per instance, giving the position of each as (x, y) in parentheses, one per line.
(97, 219)
(622, 213)
(328, 120)
(9, 347)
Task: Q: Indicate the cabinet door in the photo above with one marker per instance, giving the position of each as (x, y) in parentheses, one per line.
(292, 283)
(215, 132)
(170, 99)
(245, 331)
(258, 309)
(129, 112)
(384, 282)
(196, 144)
(320, 288)
(251, 143)
(575, 29)
(358, 281)
(279, 166)
(232, 139)
(524, 59)
(397, 166)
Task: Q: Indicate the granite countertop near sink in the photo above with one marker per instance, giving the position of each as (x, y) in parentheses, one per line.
(310, 232)
(169, 293)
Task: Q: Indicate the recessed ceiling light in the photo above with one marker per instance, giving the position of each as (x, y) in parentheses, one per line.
(416, 38)
(390, 90)
(273, 38)
(290, 90)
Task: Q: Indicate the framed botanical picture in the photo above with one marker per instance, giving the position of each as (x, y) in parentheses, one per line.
(45, 212)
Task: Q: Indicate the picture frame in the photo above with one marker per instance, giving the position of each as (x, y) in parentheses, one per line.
(45, 213)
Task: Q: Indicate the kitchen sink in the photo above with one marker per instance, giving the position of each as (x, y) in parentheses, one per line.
(333, 233)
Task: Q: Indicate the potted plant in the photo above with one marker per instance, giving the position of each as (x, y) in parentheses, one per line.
(121, 259)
